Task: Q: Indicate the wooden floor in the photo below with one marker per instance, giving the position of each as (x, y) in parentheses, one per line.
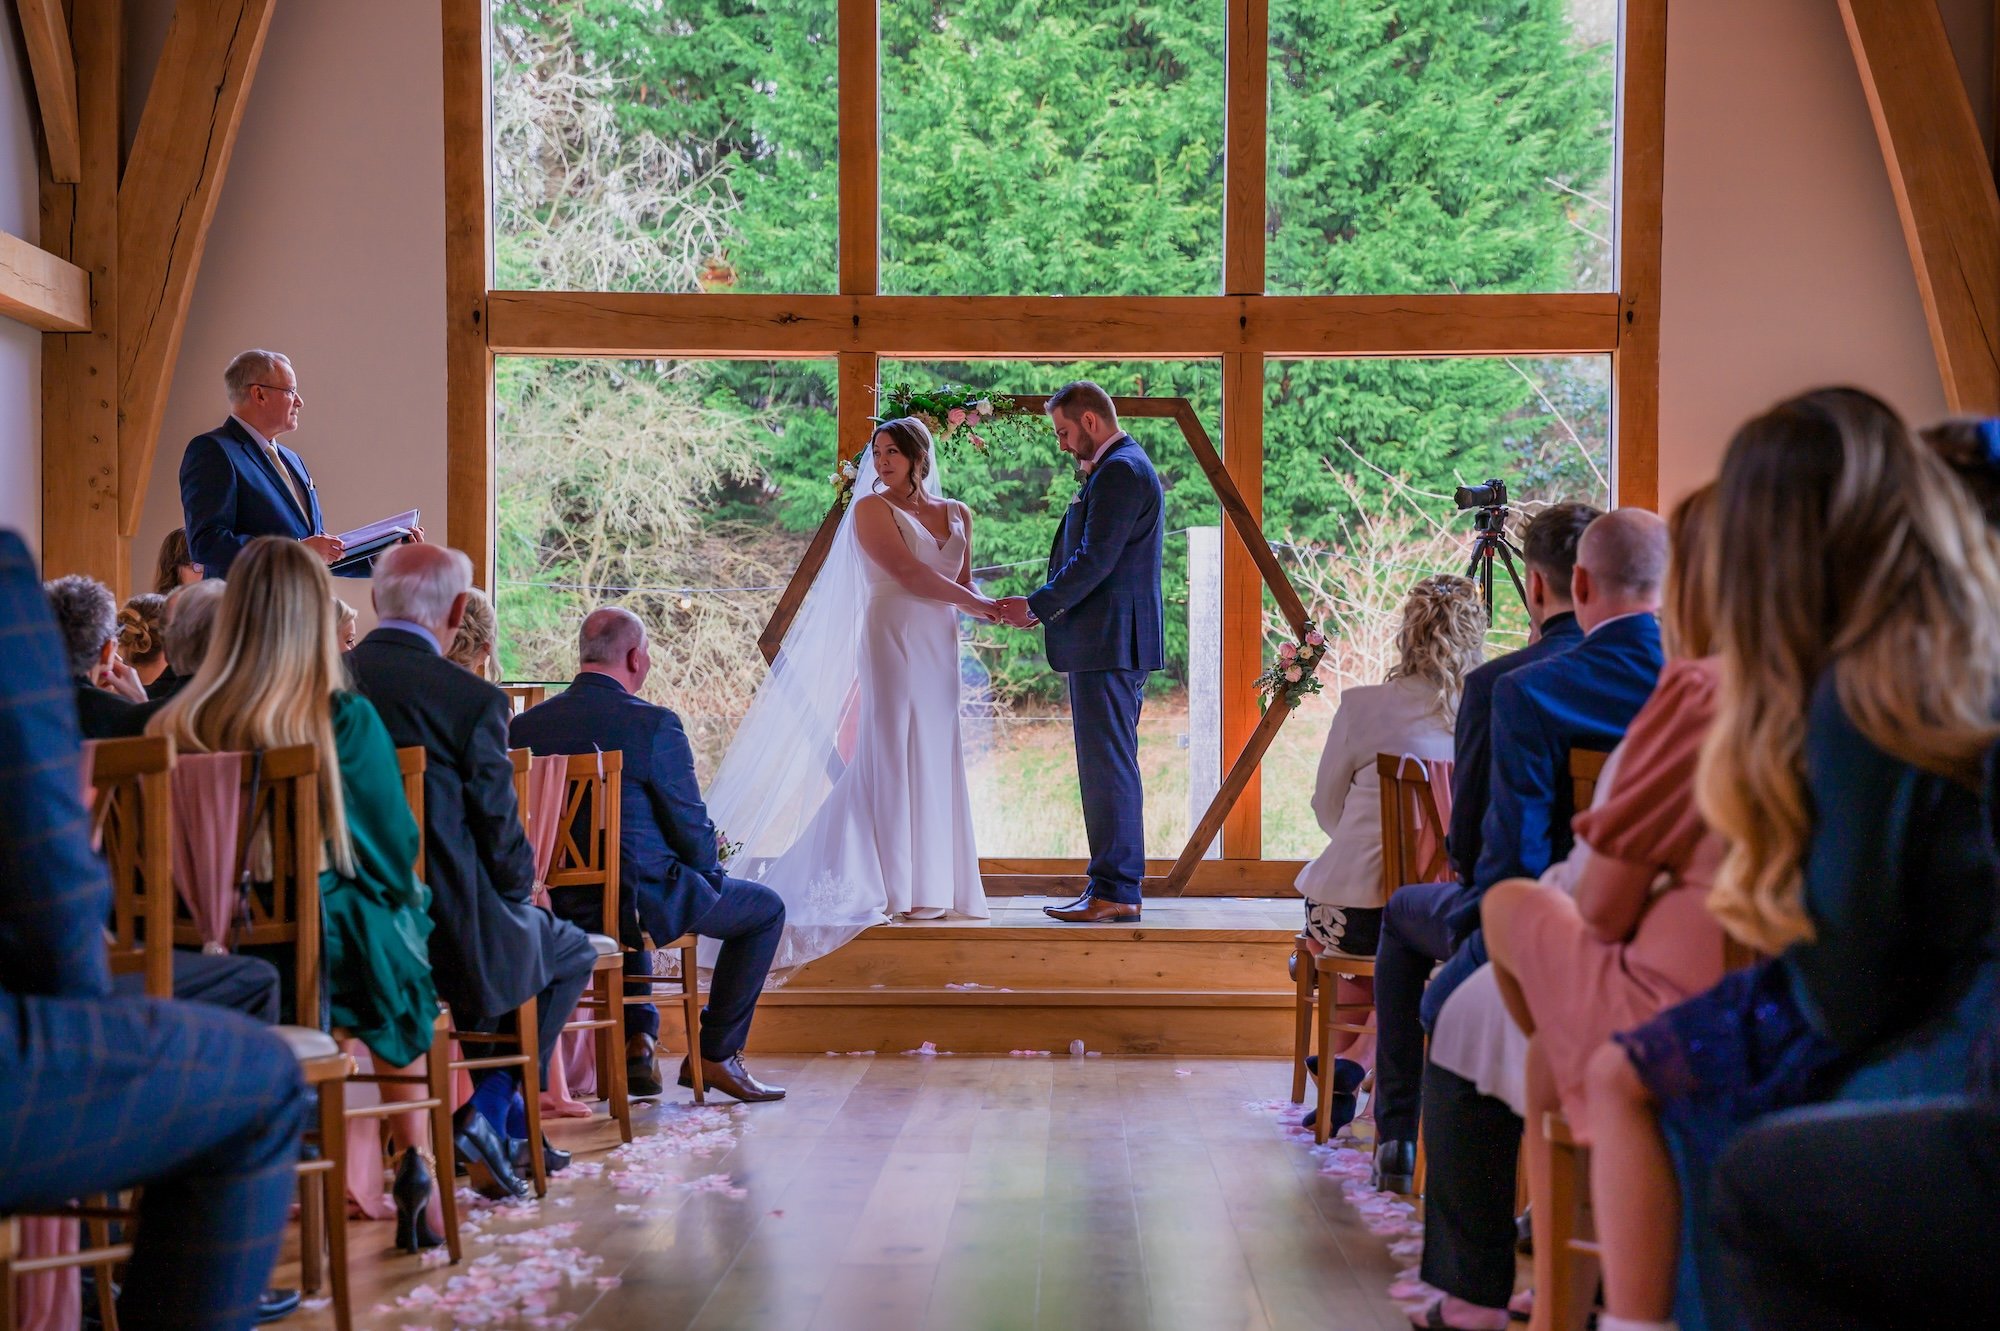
(899, 1192)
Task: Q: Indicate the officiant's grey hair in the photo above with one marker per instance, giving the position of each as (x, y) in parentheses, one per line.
(250, 368)
(420, 582)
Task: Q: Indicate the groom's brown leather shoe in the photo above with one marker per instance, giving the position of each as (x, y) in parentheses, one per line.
(732, 1078)
(1087, 909)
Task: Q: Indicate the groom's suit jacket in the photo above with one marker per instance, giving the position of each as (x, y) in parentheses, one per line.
(669, 875)
(1101, 608)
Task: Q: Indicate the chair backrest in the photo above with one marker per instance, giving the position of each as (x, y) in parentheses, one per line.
(1415, 798)
(523, 760)
(1585, 767)
(132, 804)
(520, 697)
(411, 762)
(284, 817)
(587, 840)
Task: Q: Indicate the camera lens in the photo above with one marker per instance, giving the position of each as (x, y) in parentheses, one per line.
(1489, 495)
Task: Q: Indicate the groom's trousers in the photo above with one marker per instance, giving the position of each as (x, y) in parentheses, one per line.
(1104, 716)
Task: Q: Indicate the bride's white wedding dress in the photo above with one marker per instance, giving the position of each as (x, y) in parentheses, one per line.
(846, 781)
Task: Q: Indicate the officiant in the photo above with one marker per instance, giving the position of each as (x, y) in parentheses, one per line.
(238, 482)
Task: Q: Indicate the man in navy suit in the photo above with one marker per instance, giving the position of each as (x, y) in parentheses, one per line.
(201, 1107)
(670, 874)
(1102, 620)
(1582, 698)
(239, 483)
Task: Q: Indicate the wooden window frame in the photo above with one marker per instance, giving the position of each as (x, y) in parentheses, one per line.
(1243, 326)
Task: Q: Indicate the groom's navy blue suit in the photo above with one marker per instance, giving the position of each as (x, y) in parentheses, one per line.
(1102, 620)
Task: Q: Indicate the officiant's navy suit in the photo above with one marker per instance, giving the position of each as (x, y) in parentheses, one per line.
(232, 493)
(1102, 618)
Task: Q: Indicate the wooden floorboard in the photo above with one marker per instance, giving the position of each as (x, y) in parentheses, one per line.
(965, 1194)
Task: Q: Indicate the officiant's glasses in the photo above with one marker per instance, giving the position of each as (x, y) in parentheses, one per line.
(1489, 539)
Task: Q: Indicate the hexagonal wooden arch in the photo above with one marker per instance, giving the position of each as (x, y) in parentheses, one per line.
(1181, 412)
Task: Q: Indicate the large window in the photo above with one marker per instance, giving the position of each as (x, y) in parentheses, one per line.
(1382, 249)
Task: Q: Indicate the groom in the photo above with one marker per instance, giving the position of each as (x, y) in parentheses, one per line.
(1101, 615)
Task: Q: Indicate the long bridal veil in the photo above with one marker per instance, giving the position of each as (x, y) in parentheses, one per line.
(787, 752)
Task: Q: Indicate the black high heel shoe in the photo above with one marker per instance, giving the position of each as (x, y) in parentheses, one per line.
(484, 1156)
(412, 1191)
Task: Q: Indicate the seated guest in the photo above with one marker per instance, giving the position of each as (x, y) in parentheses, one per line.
(109, 697)
(199, 1109)
(273, 679)
(190, 615)
(347, 624)
(672, 881)
(1605, 939)
(175, 567)
(493, 948)
(1857, 603)
(1403, 964)
(142, 638)
(1440, 641)
(473, 647)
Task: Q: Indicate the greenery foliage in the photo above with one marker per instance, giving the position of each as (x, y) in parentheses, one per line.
(1031, 147)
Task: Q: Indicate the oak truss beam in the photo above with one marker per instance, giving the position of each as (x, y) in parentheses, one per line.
(1944, 192)
(166, 200)
(41, 290)
(597, 323)
(45, 31)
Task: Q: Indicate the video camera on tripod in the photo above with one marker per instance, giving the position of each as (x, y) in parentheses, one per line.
(1489, 538)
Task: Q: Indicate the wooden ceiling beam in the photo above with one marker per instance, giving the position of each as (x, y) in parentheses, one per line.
(582, 323)
(46, 32)
(166, 201)
(1944, 190)
(41, 290)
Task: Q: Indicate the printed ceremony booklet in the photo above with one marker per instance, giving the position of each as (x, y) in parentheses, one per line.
(360, 546)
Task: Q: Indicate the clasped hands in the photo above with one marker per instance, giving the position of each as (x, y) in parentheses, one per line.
(1012, 611)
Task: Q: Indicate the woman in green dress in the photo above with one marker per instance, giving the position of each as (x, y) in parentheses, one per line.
(273, 678)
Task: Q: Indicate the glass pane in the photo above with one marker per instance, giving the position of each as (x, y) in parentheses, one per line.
(671, 145)
(1019, 752)
(1441, 145)
(685, 491)
(1360, 459)
(1050, 147)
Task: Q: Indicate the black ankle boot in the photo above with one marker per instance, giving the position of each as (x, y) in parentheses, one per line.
(412, 1191)
(484, 1156)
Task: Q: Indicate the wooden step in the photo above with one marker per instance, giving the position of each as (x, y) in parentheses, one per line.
(1040, 959)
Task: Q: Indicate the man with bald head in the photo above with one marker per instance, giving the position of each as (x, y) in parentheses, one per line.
(671, 880)
(491, 947)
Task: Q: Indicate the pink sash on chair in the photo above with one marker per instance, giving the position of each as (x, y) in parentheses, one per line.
(1433, 806)
(208, 820)
(575, 1063)
(50, 1300)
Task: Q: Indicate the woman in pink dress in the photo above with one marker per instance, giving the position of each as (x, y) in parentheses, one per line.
(1636, 936)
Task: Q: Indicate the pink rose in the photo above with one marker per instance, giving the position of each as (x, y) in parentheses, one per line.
(957, 417)
(1287, 651)
(1316, 638)
(1293, 674)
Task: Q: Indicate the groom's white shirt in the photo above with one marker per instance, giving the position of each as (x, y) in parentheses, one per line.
(1102, 449)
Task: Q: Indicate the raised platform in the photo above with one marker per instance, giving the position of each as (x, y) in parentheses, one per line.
(1195, 976)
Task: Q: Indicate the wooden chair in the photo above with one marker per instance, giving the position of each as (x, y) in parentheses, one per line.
(1408, 810)
(131, 817)
(520, 697)
(603, 1007)
(1565, 1300)
(283, 807)
(587, 858)
(1305, 977)
(525, 1040)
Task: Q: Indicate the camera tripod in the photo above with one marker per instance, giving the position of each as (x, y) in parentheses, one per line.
(1489, 540)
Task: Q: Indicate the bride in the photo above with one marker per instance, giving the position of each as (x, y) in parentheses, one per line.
(844, 788)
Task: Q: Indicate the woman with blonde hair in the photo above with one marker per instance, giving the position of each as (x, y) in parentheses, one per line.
(273, 678)
(474, 647)
(1857, 621)
(1442, 637)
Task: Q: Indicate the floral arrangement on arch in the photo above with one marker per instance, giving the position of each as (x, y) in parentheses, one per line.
(952, 411)
(1296, 671)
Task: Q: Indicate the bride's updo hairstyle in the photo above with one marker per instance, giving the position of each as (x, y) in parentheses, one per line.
(1839, 545)
(1442, 639)
(912, 438)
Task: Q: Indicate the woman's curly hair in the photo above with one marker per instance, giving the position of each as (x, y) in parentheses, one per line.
(142, 629)
(1442, 639)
